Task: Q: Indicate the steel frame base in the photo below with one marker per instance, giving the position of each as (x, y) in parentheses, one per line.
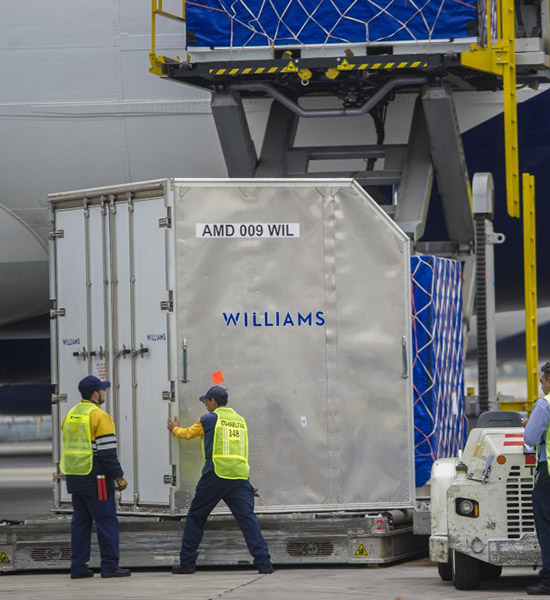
(306, 539)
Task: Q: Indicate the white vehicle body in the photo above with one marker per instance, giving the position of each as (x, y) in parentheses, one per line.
(500, 529)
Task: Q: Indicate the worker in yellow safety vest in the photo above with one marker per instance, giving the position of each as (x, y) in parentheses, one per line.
(224, 477)
(91, 467)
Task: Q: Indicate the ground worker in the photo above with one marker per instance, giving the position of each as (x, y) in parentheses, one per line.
(91, 466)
(537, 430)
(224, 477)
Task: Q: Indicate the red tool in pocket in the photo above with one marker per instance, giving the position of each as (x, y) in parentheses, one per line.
(101, 488)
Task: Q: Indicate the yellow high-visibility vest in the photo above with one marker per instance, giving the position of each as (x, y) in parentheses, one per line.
(230, 447)
(77, 457)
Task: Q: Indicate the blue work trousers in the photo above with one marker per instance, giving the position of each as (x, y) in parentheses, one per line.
(541, 512)
(239, 497)
(88, 509)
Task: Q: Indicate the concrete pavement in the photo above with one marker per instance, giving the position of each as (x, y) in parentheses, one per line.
(407, 581)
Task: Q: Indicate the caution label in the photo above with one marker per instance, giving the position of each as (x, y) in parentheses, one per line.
(361, 551)
(4, 558)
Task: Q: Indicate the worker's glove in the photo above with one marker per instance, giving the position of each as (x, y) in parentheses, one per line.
(121, 484)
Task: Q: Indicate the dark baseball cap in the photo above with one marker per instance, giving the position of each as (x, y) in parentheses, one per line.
(218, 393)
(91, 384)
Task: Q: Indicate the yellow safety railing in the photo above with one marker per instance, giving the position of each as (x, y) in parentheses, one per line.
(497, 55)
(158, 61)
(530, 277)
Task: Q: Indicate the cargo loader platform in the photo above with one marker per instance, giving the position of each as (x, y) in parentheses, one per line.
(326, 75)
(306, 539)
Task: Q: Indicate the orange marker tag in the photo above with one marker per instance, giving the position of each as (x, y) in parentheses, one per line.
(217, 377)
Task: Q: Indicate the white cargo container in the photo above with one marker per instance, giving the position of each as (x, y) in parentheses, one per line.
(297, 291)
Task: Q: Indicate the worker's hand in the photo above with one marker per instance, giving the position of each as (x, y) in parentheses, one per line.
(172, 423)
(121, 484)
(524, 421)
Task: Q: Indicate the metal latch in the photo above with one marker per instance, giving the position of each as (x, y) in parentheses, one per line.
(83, 354)
(123, 352)
(57, 398)
(185, 362)
(169, 479)
(170, 396)
(140, 351)
(59, 312)
(405, 358)
(58, 233)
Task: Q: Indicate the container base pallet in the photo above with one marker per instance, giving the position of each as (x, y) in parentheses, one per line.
(306, 539)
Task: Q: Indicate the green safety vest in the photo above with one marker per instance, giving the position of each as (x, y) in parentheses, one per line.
(230, 447)
(77, 457)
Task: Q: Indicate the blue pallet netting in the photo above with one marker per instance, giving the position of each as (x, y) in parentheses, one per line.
(269, 23)
(438, 374)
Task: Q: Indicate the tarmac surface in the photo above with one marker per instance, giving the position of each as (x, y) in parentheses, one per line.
(416, 580)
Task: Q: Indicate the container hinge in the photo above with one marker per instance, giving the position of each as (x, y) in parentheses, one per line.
(59, 312)
(58, 233)
(169, 480)
(57, 398)
(169, 395)
(58, 476)
(168, 304)
(166, 221)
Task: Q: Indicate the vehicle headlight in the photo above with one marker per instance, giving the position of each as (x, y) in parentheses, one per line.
(466, 507)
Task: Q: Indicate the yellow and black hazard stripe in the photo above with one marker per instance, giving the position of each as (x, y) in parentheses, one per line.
(274, 67)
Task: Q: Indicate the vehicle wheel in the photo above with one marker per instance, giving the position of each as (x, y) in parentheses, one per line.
(490, 572)
(466, 571)
(445, 571)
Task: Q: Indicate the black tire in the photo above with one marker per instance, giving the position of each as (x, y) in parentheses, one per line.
(466, 572)
(490, 572)
(445, 571)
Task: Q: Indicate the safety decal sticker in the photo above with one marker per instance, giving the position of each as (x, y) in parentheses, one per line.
(4, 558)
(361, 551)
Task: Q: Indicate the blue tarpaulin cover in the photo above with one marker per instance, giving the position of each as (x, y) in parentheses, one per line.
(241, 23)
(438, 349)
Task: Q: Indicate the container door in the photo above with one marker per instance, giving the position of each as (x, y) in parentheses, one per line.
(140, 371)
(82, 290)
(151, 361)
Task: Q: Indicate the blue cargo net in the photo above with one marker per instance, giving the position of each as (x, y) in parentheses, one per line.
(269, 23)
(438, 375)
